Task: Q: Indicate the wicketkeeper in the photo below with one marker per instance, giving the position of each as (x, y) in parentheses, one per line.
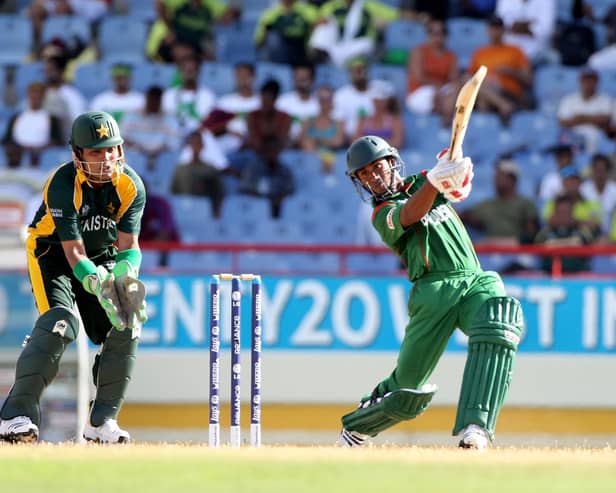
(415, 219)
(83, 253)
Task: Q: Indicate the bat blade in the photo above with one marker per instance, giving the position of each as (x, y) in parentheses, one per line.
(463, 110)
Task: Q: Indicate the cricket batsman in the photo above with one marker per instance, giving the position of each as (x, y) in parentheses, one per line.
(83, 254)
(414, 217)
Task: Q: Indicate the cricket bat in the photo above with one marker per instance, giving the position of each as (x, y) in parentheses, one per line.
(462, 114)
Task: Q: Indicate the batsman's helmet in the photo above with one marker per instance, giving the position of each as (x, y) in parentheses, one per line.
(366, 150)
(96, 130)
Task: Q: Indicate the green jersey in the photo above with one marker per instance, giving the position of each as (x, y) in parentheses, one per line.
(438, 243)
(73, 210)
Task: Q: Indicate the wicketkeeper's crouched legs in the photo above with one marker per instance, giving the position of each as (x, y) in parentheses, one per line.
(493, 341)
(38, 363)
(112, 371)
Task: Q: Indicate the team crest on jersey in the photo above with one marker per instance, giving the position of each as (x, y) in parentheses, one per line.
(110, 208)
(85, 209)
(390, 219)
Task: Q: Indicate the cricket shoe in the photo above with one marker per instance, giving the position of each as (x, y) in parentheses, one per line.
(352, 438)
(474, 437)
(108, 432)
(19, 429)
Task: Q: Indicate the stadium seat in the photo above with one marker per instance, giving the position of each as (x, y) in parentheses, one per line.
(93, 78)
(200, 261)
(143, 10)
(191, 215)
(218, 76)
(268, 70)
(122, 38)
(149, 74)
(535, 129)
(395, 75)
(330, 75)
(552, 82)
(15, 39)
(235, 42)
(404, 35)
(53, 157)
(425, 132)
(25, 74)
(372, 263)
(66, 27)
(465, 36)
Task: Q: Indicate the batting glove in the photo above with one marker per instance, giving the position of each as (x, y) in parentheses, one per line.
(451, 177)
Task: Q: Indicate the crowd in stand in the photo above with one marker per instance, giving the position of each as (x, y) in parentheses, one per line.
(213, 139)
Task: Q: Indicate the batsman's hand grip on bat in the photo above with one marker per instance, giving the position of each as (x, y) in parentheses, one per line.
(453, 178)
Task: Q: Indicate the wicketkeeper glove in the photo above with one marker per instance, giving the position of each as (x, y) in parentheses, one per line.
(452, 178)
(131, 293)
(101, 285)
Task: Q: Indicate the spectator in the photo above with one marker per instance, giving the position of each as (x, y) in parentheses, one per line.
(158, 223)
(529, 25)
(120, 99)
(323, 133)
(150, 131)
(586, 112)
(198, 177)
(425, 10)
(236, 106)
(300, 103)
(186, 23)
(266, 176)
(601, 188)
(385, 121)
(34, 128)
(508, 217)
(349, 28)
(509, 75)
(62, 100)
(190, 102)
(552, 183)
(354, 101)
(433, 78)
(267, 122)
(283, 30)
(562, 229)
(586, 212)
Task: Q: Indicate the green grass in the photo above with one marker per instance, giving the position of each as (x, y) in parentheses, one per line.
(183, 469)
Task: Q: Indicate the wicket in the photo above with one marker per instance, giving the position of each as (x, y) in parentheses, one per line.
(255, 360)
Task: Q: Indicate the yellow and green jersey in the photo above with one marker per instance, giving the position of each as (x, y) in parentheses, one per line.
(73, 210)
(373, 14)
(294, 24)
(438, 243)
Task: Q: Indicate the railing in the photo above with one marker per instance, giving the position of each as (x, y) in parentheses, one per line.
(556, 252)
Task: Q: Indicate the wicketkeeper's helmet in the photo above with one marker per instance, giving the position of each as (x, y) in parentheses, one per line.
(366, 150)
(96, 130)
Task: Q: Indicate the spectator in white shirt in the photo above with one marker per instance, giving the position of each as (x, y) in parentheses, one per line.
(529, 25)
(587, 112)
(301, 103)
(190, 102)
(552, 183)
(354, 101)
(121, 98)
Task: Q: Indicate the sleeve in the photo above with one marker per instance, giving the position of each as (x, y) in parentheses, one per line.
(266, 20)
(130, 218)
(386, 220)
(58, 199)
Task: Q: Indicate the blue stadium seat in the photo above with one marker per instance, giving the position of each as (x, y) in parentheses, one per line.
(372, 263)
(218, 76)
(465, 36)
(330, 75)
(425, 132)
(191, 215)
(148, 74)
(482, 140)
(607, 83)
(395, 75)
(235, 42)
(552, 82)
(93, 78)
(201, 261)
(535, 129)
(404, 35)
(66, 27)
(52, 157)
(603, 264)
(599, 7)
(122, 38)
(15, 39)
(268, 70)
(25, 74)
(143, 10)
